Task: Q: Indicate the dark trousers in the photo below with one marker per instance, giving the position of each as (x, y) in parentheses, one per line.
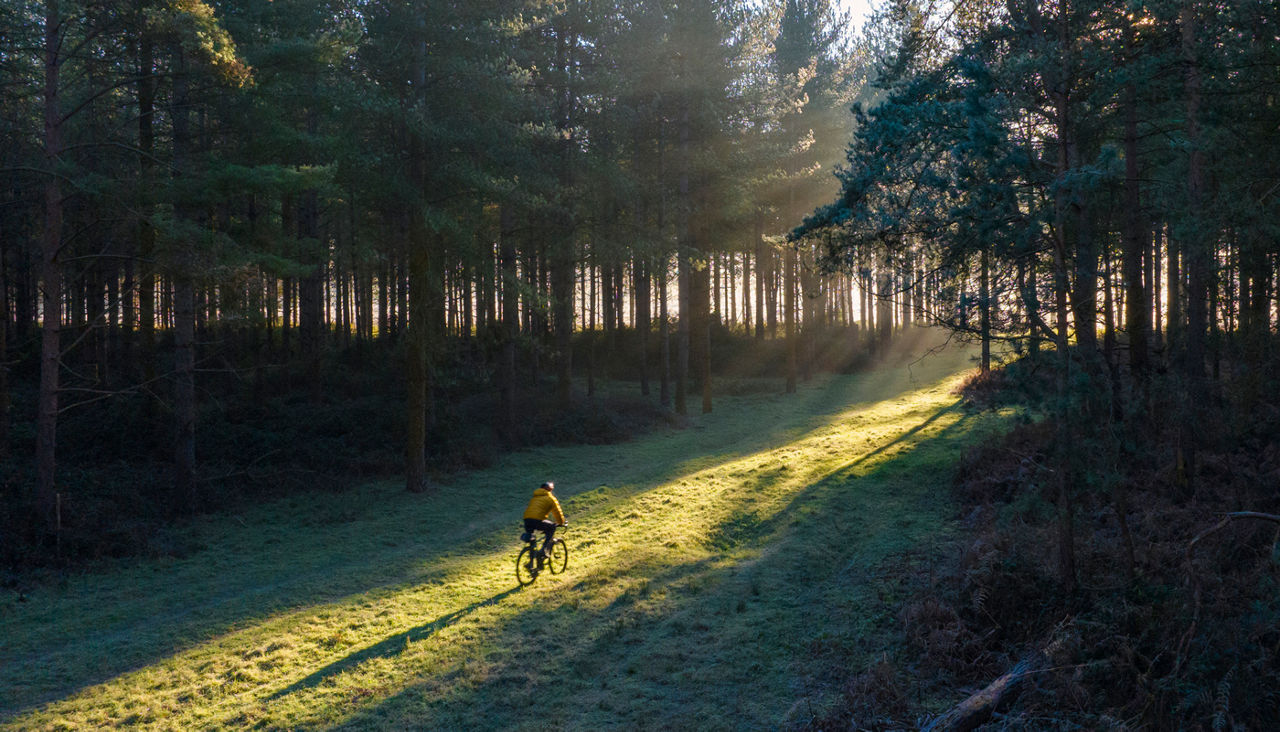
(546, 527)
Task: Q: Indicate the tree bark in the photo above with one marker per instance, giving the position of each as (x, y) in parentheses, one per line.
(976, 710)
(682, 268)
(146, 233)
(418, 355)
(422, 289)
(789, 315)
(1195, 251)
(1135, 236)
(700, 288)
(313, 302)
(746, 293)
(1173, 299)
(4, 352)
(640, 274)
(809, 314)
(50, 270)
(664, 335)
(1155, 295)
(1065, 498)
(884, 304)
(510, 322)
(984, 302)
(183, 267)
(562, 254)
(1109, 335)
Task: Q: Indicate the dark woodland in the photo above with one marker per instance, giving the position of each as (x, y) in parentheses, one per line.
(262, 249)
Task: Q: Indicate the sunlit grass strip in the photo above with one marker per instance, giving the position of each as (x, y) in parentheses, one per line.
(456, 629)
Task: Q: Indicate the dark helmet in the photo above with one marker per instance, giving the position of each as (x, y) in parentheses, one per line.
(548, 486)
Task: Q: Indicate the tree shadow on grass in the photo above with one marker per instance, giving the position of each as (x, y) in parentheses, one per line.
(747, 526)
(699, 642)
(244, 578)
(392, 645)
(906, 435)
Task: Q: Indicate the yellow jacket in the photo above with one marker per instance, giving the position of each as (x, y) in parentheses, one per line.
(543, 503)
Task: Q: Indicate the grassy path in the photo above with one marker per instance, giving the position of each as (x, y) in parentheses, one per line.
(721, 576)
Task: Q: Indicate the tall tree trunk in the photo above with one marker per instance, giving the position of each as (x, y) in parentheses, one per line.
(1065, 495)
(789, 315)
(769, 292)
(510, 321)
(640, 274)
(984, 302)
(884, 304)
(1084, 296)
(1066, 156)
(478, 285)
(562, 297)
(682, 268)
(533, 309)
(311, 300)
(466, 277)
(1109, 335)
(664, 334)
(1136, 243)
(562, 254)
(1255, 325)
(607, 303)
(184, 326)
(909, 291)
(423, 289)
(418, 344)
(23, 302)
(184, 397)
(589, 327)
(288, 233)
(1034, 322)
(1154, 273)
(682, 332)
(761, 273)
(400, 277)
(50, 269)
(146, 233)
(1195, 249)
(746, 293)
(4, 350)
(700, 288)
(385, 300)
(1061, 246)
(1173, 299)
(809, 316)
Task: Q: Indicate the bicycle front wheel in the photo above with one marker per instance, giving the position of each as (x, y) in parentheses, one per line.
(559, 556)
(526, 567)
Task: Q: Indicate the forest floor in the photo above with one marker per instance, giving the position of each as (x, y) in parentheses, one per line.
(727, 575)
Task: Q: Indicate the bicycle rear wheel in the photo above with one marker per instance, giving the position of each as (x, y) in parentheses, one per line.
(526, 567)
(559, 556)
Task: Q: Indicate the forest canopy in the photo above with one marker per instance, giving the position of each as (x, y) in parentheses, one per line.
(202, 195)
(211, 204)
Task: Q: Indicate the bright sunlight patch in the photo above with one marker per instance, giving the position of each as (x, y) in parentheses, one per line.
(719, 577)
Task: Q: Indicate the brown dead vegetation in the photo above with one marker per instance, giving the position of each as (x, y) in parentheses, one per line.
(1154, 635)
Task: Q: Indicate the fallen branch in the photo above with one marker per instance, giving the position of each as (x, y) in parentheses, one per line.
(978, 708)
(1223, 524)
(1184, 644)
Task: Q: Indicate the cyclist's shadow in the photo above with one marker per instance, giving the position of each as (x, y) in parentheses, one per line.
(391, 645)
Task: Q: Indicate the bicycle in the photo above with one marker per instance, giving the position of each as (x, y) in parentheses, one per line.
(531, 561)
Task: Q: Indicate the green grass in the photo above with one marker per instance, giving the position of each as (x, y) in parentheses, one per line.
(726, 575)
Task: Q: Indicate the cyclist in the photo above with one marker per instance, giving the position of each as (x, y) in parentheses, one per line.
(540, 506)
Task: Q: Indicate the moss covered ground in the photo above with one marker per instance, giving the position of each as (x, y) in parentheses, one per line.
(725, 575)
